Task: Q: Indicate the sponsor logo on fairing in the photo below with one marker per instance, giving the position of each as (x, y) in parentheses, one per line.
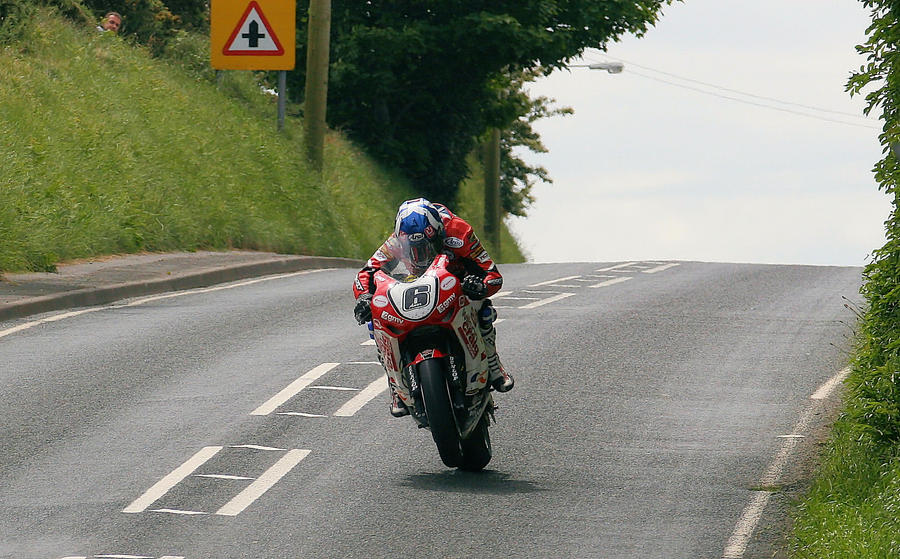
(380, 301)
(454, 242)
(391, 318)
(467, 333)
(448, 283)
(443, 306)
(482, 256)
(495, 281)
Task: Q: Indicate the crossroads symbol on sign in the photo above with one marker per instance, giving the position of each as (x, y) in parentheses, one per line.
(253, 35)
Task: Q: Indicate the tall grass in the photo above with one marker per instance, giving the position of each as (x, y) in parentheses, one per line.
(853, 508)
(106, 150)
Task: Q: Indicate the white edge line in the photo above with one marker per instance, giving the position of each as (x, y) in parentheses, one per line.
(292, 389)
(546, 301)
(262, 484)
(163, 486)
(828, 387)
(750, 517)
(367, 394)
(149, 299)
(743, 530)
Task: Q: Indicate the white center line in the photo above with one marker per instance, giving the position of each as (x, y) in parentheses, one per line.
(660, 268)
(550, 282)
(299, 414)
(162, 487)
(611, 282)
(338, 388)
(258, 447)
(368, 393)
(265, 482)
(292, 389)
(616, 267)
(547, 301)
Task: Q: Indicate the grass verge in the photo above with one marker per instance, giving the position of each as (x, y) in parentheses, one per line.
(107, 150)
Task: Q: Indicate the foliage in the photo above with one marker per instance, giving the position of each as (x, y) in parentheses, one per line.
(14, 18)
(876, 383)
(418, 82)
(851, 510)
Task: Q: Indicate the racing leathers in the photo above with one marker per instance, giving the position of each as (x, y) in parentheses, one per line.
(470, 260)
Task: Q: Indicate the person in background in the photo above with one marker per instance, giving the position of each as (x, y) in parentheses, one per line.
(112, 21)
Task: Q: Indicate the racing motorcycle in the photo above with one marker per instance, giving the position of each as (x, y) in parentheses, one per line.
(428, 339)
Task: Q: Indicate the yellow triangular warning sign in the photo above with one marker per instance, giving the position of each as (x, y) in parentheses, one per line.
(253, 35)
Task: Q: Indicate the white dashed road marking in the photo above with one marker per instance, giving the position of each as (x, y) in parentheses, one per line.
(293, 389)
(263, 483)
(617, 266)
(612, 281)
(366, 395)
(660, 268)
(163, 486)
(547, 301)
(550, 282)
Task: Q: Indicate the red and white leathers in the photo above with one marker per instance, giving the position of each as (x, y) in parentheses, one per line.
(469, 258)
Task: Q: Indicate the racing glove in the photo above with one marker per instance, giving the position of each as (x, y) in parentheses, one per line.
(474, 288)
(363, 309)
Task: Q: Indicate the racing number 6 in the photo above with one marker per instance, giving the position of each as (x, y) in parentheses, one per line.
(416, 297)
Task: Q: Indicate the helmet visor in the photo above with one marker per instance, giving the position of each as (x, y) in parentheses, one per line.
(420, 252)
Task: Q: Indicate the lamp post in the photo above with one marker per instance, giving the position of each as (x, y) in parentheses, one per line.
(492, 211)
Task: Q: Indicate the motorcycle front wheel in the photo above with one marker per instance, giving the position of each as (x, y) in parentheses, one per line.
(436, 398)
(476, 450)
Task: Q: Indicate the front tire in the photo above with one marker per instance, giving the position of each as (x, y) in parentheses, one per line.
(436, 399)
(476, 450)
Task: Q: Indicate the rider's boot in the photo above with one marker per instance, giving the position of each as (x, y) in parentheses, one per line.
(499, 379)
(398, 408)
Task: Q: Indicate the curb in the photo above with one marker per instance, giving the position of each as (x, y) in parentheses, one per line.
(92, 296)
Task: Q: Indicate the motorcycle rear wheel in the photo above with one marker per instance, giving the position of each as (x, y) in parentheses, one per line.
(436, 398)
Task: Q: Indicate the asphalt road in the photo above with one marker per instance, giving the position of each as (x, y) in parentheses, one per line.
(248, 420)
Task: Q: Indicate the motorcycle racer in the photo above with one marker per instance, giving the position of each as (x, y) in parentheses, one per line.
(422, 230)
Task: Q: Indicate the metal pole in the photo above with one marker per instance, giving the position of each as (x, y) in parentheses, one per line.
(282, 97)
(492, 191)
(316, 81)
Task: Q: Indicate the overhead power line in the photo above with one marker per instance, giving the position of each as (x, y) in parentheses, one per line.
(869, 123)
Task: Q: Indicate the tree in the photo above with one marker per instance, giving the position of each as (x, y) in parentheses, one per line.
(418, 81)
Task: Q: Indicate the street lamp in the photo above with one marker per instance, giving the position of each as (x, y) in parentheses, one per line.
(611, 67)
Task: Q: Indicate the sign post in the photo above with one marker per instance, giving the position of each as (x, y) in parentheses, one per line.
(254, 35)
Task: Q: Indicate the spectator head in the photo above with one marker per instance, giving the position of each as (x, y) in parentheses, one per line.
(111, 22)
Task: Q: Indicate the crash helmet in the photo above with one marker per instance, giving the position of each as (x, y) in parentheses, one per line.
(420, 230)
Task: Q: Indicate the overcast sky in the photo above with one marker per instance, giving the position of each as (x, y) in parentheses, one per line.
(650, 170)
